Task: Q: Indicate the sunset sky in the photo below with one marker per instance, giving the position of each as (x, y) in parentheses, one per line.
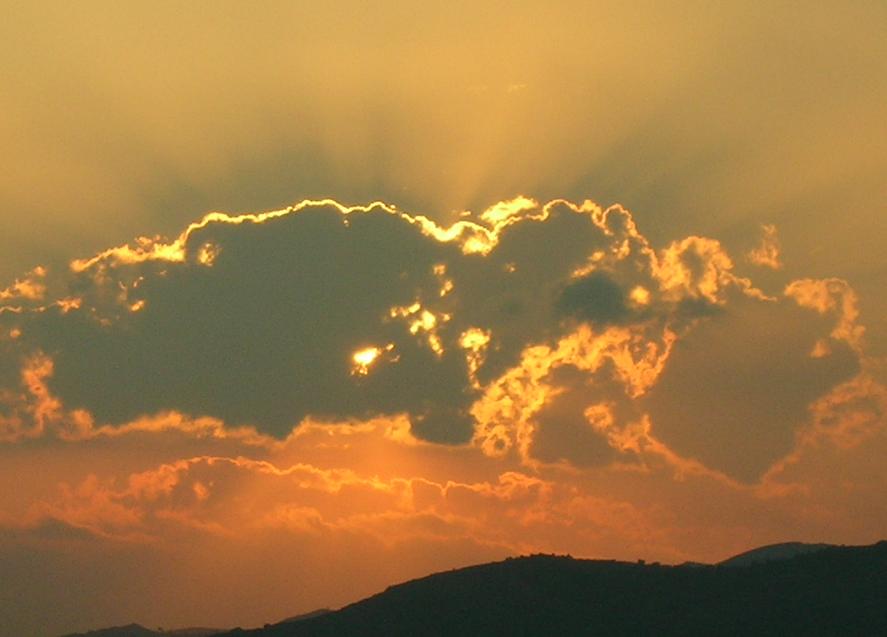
(300, 301)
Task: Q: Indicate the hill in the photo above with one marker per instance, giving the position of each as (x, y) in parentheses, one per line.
(829, 591)
(772, 553)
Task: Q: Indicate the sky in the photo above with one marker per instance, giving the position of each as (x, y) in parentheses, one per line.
(297, 302)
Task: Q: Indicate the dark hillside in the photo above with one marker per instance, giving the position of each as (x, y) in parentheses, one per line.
(832, 591)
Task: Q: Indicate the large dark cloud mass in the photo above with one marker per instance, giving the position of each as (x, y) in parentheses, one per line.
(338, 314)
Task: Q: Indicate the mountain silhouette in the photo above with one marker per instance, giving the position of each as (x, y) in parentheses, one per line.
(772, 553)
(826, 591)
(781, 589)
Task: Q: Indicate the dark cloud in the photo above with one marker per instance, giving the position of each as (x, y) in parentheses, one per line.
(736, 390)
(565, 429)
(594, 298)
(263, 333)
(265, 320)
(266, 334)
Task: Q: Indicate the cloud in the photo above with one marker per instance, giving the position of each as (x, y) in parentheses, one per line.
(513, 330)
(410, 491)
(217, 321)
(738, 407)
(595, 298)
(766, 254)
(29, 288)
(833, 296)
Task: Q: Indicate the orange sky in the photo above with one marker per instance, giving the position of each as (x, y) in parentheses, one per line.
(421, 333)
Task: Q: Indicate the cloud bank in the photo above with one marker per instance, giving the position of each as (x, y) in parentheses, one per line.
(339, 313)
